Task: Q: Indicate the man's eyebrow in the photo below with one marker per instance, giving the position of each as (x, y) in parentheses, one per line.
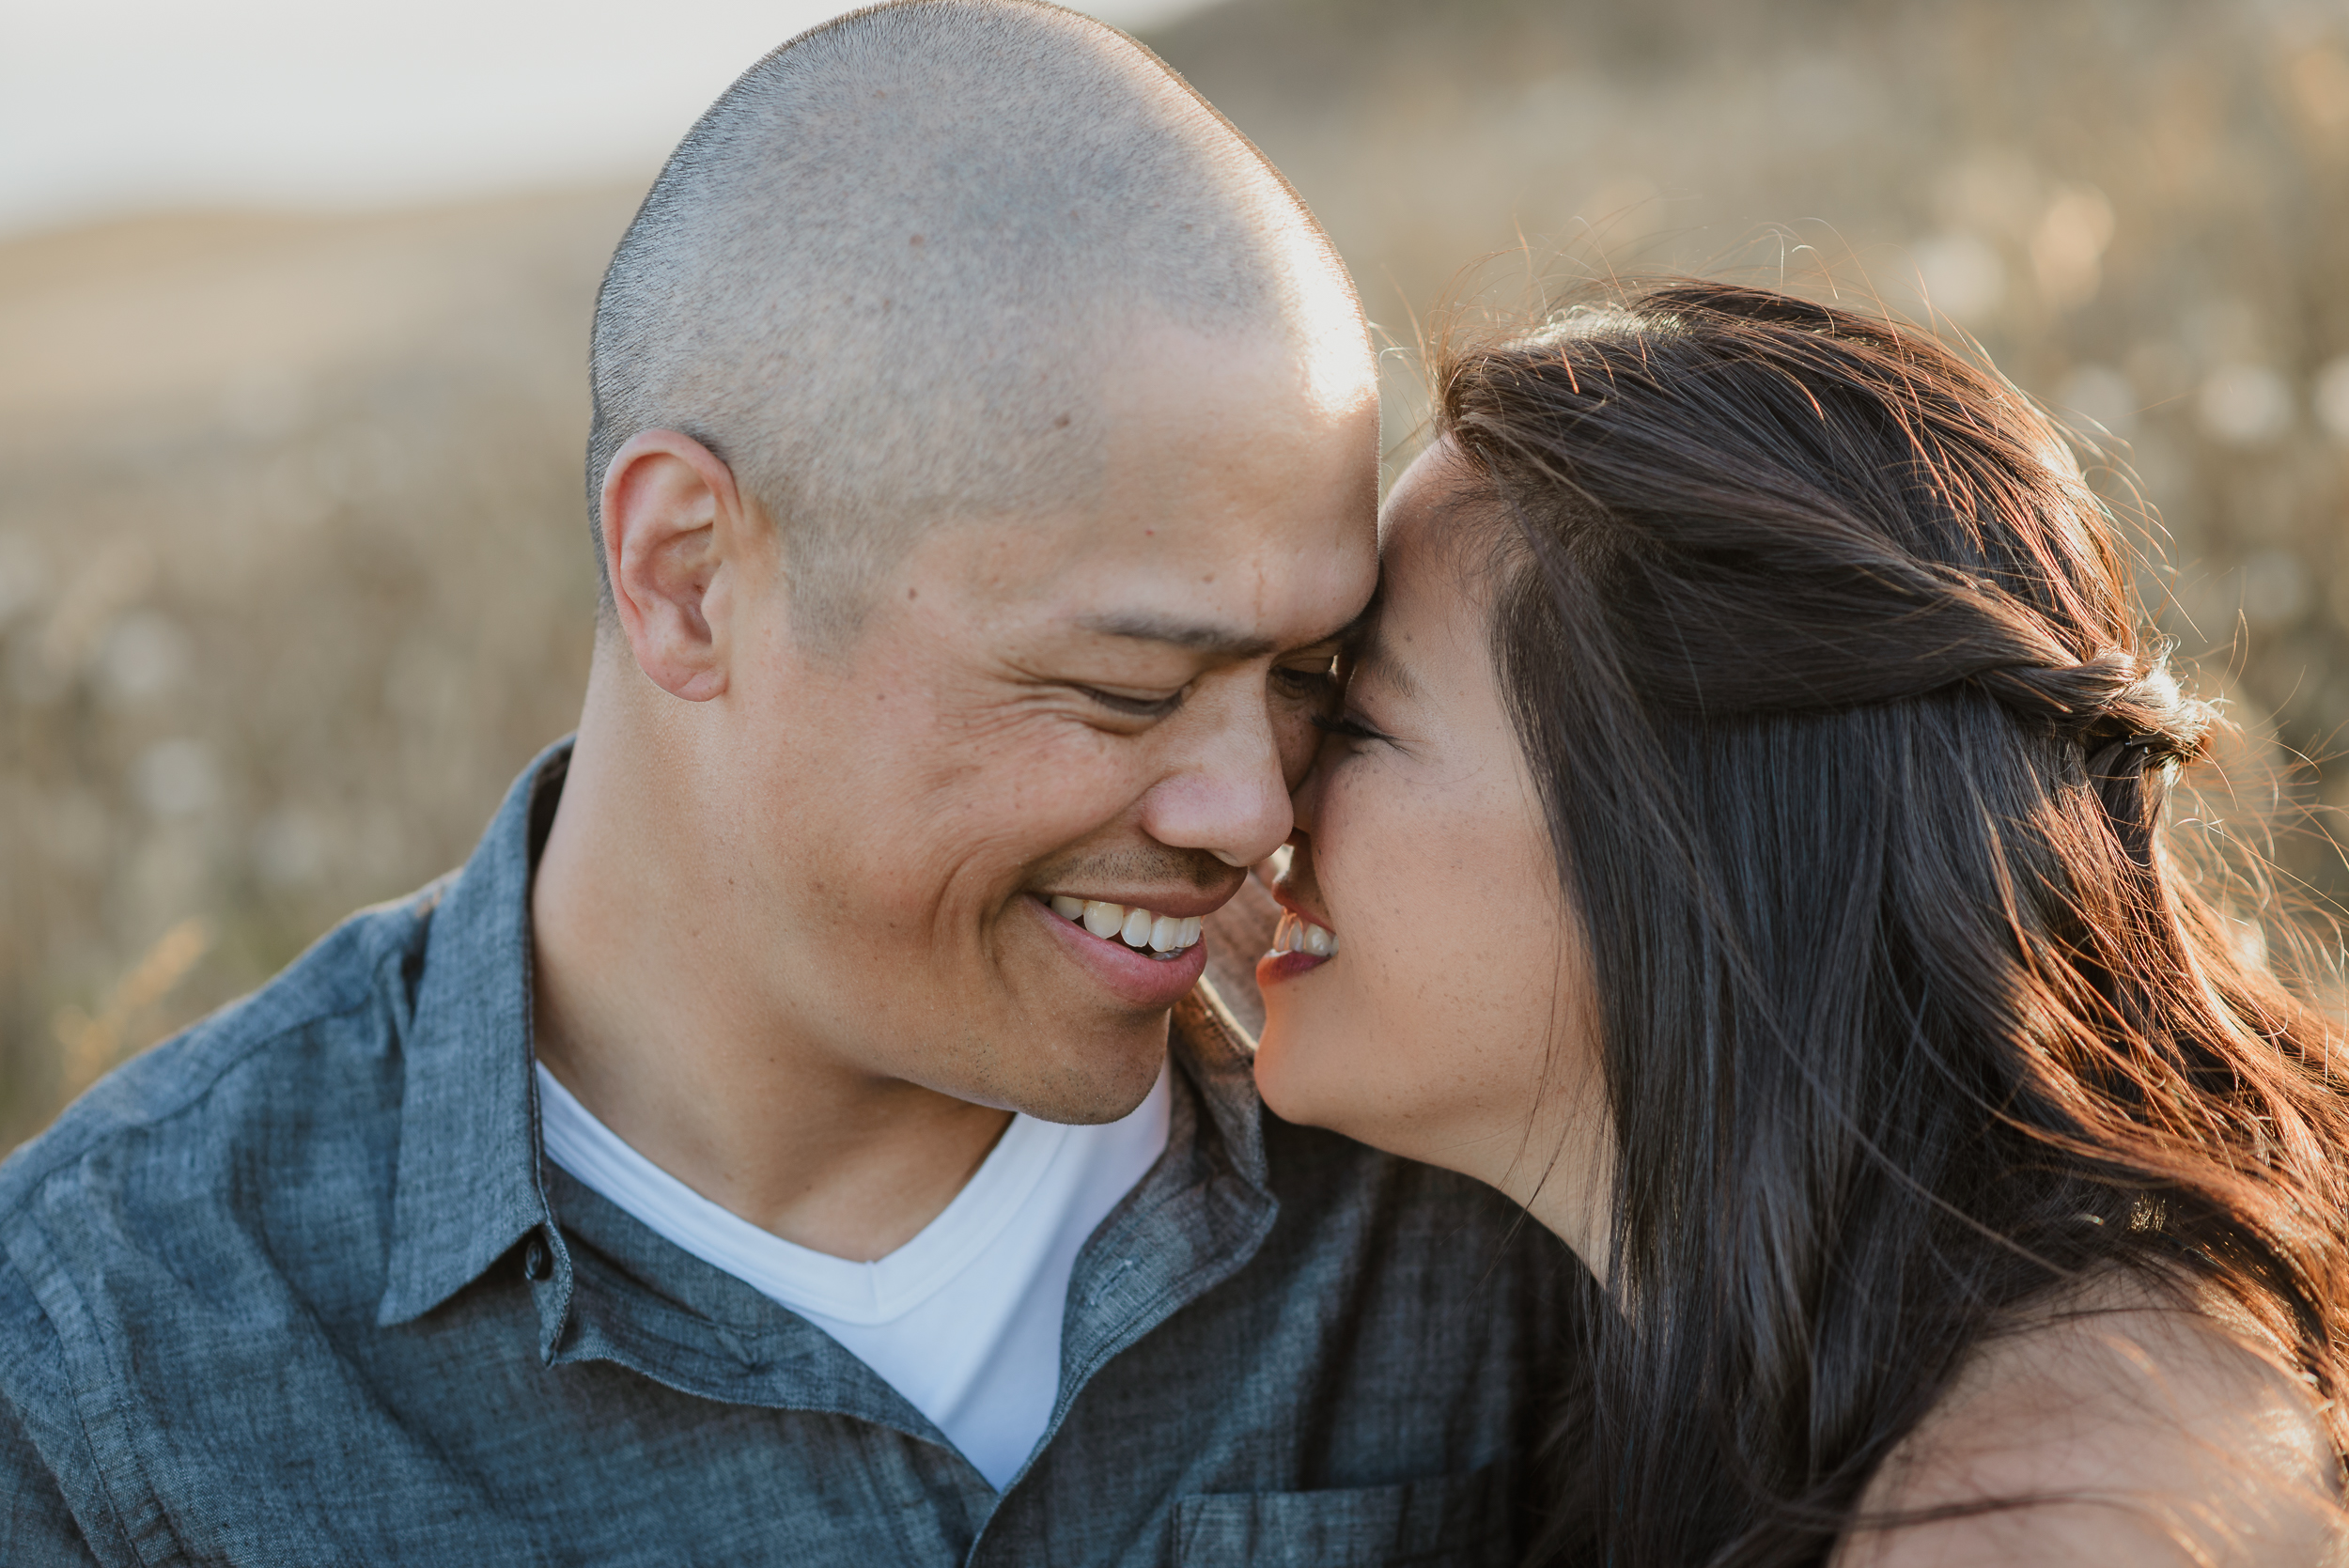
(1197, 636)
(1207, 637)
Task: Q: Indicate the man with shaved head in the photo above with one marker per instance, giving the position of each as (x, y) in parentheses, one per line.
(801, 1132)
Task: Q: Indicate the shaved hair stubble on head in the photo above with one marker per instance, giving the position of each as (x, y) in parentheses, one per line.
(886, 276)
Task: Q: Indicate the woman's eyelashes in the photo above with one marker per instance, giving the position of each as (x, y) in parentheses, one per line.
(1350, 725)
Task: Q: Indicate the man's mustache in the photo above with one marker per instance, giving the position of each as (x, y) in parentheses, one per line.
(1137, 868)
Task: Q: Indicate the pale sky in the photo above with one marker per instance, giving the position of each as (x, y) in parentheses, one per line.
(116, 106)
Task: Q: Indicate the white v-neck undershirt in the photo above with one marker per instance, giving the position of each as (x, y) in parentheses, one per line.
(964, 1320)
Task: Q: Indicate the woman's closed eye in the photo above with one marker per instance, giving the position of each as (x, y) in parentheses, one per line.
(1349, 725)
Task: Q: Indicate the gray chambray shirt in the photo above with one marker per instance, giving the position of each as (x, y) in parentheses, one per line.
(297, 1287)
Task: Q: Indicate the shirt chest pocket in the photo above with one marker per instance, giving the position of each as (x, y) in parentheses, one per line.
(1464, 1521)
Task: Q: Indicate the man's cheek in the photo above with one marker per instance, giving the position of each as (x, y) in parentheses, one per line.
(1296, 740)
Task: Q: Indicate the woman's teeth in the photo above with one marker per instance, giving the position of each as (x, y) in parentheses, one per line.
(1295, 934)
(1161, 936)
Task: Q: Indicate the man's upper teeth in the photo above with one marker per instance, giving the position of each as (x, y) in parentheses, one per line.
(1295, 934)
(1133, 925)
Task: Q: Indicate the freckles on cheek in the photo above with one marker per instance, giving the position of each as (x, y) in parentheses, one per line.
(1026, 805)
(1368, 846)
(1409, 887)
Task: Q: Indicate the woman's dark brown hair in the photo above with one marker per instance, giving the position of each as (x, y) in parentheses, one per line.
(1855, 754)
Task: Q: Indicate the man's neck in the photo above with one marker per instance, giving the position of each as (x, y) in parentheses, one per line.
(644, 1014)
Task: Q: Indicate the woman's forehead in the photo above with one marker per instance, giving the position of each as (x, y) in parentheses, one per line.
(1438, 472)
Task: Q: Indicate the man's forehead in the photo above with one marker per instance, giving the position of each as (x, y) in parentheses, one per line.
(1293, 371)
(1225, 592)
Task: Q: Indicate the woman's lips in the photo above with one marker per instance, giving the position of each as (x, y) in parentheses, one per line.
(1298, 944)
(1274, 968)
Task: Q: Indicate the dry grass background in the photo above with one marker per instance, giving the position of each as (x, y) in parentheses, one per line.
(292, 571)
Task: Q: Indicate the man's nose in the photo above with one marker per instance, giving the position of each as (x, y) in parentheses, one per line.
(1224, 791)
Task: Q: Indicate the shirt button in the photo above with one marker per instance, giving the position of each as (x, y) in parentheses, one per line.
(534, 1260)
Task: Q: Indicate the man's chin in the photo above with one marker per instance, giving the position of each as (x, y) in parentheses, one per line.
(1099, 1093)
(1081, 1077)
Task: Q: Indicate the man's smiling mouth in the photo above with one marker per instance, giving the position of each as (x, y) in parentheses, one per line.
(1162, 937)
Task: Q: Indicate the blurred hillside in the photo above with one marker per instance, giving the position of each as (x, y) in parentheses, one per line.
(292, 573)
(293, 579)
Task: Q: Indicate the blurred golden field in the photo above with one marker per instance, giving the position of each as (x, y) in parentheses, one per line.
(293, 572)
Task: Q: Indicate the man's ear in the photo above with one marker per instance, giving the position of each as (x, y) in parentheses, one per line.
(675, 537)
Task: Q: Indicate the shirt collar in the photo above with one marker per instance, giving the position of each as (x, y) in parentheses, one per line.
(1223, 1062)
(468, 1186)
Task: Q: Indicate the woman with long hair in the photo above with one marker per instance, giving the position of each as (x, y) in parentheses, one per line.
(1746, 842)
